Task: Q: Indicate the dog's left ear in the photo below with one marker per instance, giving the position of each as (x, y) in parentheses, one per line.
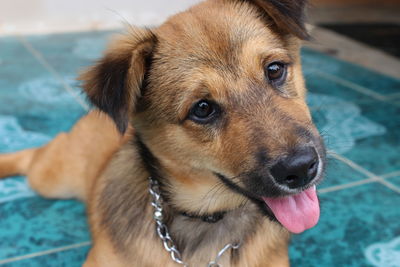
(288, 15)
(114, 84)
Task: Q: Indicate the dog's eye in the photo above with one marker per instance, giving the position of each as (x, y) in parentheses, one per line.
(276, 73)
(203, 111)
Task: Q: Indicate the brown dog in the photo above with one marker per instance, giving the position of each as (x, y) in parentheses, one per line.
(216, 98)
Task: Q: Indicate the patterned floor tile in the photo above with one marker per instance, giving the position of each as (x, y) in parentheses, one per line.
(31, 99)
(395, 181)
(34, 106)
(34, 224)
(315, 61)
(339, 173)
(352, 223)
(317, 83)
(362, 129)
(15, 60)
(340, 121)
(70, 53)
(379, 154)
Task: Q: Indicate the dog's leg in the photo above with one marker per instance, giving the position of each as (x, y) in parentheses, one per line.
(16, 163)
(67, 166)
(45, 168)
(57, 171)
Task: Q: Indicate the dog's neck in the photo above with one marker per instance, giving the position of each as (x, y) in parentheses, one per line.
(193, 192)
(153, 166)
(194, 231)
(125, 209)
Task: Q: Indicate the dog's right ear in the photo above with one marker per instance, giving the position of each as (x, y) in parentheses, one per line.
(114, 84)
(288, 15)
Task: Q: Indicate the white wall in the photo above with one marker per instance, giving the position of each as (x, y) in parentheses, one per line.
(38, 16)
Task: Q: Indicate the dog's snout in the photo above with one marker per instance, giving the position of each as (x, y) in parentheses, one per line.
(297, 169)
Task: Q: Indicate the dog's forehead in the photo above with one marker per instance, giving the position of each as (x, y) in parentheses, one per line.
(214, 33)
(216, 48)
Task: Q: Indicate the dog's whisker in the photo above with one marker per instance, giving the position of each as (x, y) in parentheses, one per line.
(124, 20)
(218, 185)
(218, 188)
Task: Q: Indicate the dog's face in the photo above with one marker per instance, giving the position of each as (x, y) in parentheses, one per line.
(217, 95)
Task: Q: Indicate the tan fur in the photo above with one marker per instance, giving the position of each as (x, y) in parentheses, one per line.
(266, 247)
(151, 78)
(66, 167)
(15, 163)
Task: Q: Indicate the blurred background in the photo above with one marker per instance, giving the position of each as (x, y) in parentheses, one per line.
(371, 22)
(352, 71)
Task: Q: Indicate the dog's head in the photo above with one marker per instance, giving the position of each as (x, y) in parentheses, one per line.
(217, 95)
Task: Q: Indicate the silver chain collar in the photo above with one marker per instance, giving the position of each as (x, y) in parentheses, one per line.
(163, 233)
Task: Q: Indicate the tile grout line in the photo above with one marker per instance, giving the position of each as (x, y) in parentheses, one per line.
(390, 174)
(353, 86)
(46, 252)
(369, 174)
(390, 185)
(395, 95)
(361, 182)
(345, 186)
(353, 165)
(39, 57)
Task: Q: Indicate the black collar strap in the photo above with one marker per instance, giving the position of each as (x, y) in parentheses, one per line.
(210, 218)
(150, 162)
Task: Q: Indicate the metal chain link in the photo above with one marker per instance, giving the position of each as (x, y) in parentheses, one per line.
(163, 233)
(162, 229)
(215, 263)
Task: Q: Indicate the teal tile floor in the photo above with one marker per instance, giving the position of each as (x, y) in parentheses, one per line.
(356, 110)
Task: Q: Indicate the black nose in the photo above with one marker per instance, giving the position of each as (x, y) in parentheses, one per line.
(297, 169)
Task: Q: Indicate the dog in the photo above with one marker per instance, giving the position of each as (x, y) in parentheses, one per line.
(202, 149)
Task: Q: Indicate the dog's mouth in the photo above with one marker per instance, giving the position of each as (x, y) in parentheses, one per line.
(296, 213)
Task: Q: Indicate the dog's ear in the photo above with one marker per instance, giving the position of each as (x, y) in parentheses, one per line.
(114, 84)
(288, 15)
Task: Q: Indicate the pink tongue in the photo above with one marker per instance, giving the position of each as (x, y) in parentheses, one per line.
(296, 213)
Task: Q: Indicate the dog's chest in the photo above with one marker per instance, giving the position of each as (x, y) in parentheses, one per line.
(200, 241)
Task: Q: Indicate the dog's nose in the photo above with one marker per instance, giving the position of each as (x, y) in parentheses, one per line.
(297, 169)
